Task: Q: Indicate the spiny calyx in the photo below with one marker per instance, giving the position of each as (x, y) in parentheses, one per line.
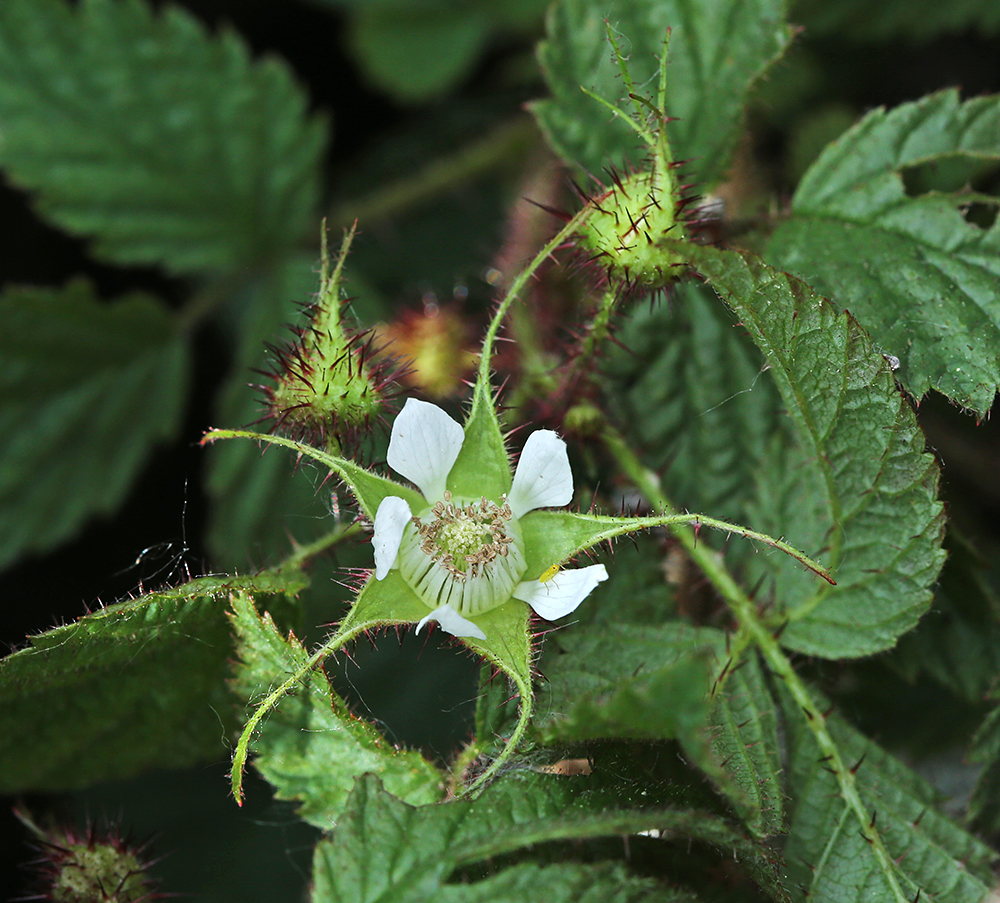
(625, 224)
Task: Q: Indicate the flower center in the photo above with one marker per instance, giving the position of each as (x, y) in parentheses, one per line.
(466, 554)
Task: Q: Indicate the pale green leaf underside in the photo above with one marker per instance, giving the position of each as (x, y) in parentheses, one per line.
(745, 742)
(717, 50)
(924, 282)
(827, 854)
(175, 149)
(692, 396)
(136, 685)
(310, 747)
(859, 492)
(86, 390)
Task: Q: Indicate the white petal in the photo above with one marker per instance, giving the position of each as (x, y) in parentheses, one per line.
(561, 594)
(390, 521)
(543, 478)
(423, 446)
(452, 622)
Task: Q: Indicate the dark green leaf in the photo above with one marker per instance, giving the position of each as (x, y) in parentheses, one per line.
(859, 492)
(137, 685)
(985, 749)
(653, 682)
(717, 51)
(829, 857)
(628, 681)
(958, 642)
(415, 53)
(923, 280)
(164, 144)
(87, 390)
(310, 747)
(918, 20)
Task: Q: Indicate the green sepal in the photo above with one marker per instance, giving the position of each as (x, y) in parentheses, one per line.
(482, 467)
(508, 642)
(381, 603)
(551, 537)
(368, 488)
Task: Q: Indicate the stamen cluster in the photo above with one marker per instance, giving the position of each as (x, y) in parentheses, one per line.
(477, 536)
(468, 555)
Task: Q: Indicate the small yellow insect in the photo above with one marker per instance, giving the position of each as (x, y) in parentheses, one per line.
(549, 574)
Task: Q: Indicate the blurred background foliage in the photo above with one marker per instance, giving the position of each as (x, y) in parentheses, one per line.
(415, 112)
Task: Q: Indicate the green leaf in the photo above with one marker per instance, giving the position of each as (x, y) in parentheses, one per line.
(746, 746)
(164, 144)
(828, 856)
(859, 492)
(415, 53)
(383, 849)
(717, 51)
(136, 685)
(310, 747)
(87, 390)
(917, 20)
(628, 681)
(923, 280)
(652, 682)
(701, 424)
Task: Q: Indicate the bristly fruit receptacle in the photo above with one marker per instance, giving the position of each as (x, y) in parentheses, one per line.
(330, 383)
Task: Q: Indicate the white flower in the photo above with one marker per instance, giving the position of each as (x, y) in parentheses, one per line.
(465, 556)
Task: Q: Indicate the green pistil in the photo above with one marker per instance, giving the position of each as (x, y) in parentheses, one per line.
(463, 538)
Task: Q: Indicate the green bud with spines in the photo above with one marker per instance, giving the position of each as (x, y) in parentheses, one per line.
(329, 383)
(624, 225)
(89, 867)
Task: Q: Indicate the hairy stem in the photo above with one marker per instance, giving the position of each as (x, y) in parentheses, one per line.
(344, 634)
(525, 708)
(753, 629)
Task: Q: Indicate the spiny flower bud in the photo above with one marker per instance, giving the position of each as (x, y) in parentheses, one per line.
(624, 226)
(330, 382)
(96, 867)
